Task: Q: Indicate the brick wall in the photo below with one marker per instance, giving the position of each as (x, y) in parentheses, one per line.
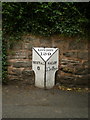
(73, 59)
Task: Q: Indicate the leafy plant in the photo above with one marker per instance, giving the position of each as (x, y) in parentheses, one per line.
(4, 62)
(44, 18)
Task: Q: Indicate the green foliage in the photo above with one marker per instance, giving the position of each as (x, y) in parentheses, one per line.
(4, 62)
(43, 18)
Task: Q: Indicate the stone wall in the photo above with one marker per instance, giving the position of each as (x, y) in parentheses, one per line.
(73, 60)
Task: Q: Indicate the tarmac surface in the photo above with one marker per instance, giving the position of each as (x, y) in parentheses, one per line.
(31, 102)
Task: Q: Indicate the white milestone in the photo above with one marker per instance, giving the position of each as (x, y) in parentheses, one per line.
(45, 64)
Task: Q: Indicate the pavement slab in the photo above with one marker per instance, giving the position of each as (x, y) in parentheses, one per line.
(31, 102)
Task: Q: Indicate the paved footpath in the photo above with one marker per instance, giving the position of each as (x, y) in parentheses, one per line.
(30, 102)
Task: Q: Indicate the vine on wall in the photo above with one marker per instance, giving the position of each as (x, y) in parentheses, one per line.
(43, 18)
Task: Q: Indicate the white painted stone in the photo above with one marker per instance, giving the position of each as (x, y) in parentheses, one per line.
(38, 65)
(45, 53)
(45, 64)
(51, 68)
